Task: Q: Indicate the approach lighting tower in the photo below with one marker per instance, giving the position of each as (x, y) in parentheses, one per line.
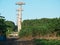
(19, 15)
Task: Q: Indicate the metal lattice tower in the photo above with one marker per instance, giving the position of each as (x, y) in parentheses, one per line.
(19, 15)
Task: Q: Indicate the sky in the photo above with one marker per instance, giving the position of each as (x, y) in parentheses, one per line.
(33, 9)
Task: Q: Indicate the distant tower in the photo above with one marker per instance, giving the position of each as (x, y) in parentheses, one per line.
(19, 15)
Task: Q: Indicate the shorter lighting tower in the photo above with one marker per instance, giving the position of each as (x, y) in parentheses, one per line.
(19, 15)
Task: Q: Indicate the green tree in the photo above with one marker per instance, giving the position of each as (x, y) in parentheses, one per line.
(3, 26)
(11, 26)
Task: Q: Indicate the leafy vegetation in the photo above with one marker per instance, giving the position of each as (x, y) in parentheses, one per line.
(11, 26)
(40, 27)
(6, 27)
(46, 42)
(3, 26)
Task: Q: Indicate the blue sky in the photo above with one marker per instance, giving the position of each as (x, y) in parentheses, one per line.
(34, 9)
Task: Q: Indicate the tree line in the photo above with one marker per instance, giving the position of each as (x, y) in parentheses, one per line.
(40, 27)
(33, 27)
